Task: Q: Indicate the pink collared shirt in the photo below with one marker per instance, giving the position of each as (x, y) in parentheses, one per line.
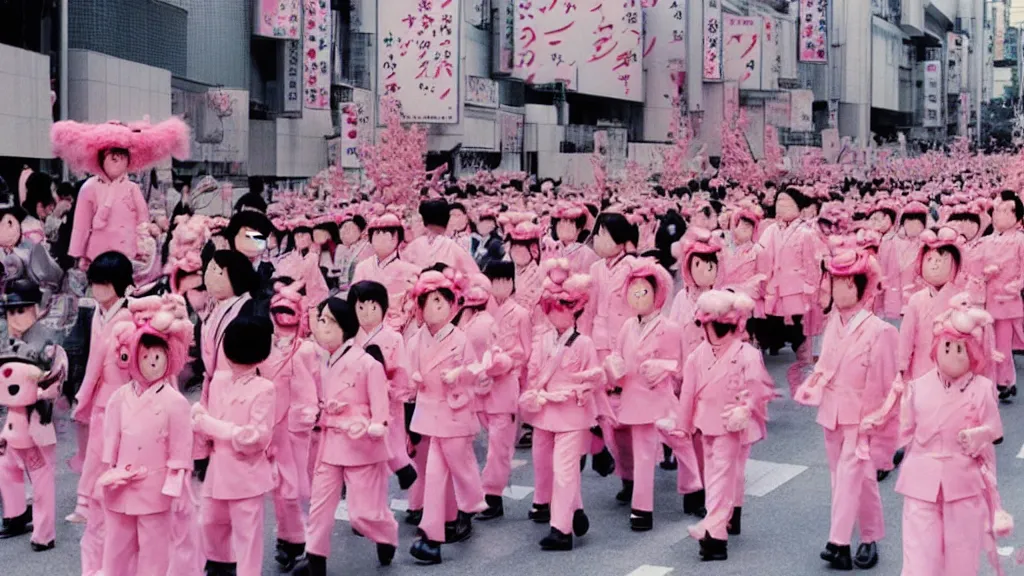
(107, 217)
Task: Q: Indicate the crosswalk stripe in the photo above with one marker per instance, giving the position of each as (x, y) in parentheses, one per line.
(648, 570)
(517, 492)
(763, 477)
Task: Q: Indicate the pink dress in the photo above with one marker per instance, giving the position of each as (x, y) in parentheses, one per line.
(792, 259)
(107, 216)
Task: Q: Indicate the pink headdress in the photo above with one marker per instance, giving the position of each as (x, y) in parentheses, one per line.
(934, 239)
(868, 239)
(162, 316)
(854, 262)
(147, 144)
(509, 220)
(479, 291)
(525, 231)
(696, 241)
(649, 268)
(914, 207)
(568, 211)
(746, 210)
(185, 248)
(432, 280)
(967, 323)
(724, 307)
(291, 297)
(562, 289)
(386, 220)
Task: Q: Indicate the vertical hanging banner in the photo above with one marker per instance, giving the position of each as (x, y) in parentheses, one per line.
(357, 126)
(317, 67)
(932, 94)
(418, 58)
(290, 73)
(612, 66)
(478, 12)
(743, 44)
(954, 62)
(813, 31)
(664, 59)
(550, 40)
(712, 40)
(503, 27)
(511, 126)
(280, 19)
(771, 54)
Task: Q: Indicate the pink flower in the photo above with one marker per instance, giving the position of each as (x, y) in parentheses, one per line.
(311, 54)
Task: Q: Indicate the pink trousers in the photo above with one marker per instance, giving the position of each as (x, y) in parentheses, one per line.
(619, 441)
(1005, 372)
(855, 496)
(287, 511)
(130, 539)
(82, 441)
(943, 538)
(501, 446)
(300, 450)
(232, 531)
(313, 454)
(645, 445)
(451, 473)
(419, 461)
(40, 463)
(741, 483)
(397, 438)
(95, 525)
(558, 455)
(186, 548)
(722, 466)
(689, 454)
(366, 488)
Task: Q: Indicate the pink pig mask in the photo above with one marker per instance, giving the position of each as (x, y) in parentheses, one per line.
(958, 343)
(27, 376)
(162, 321)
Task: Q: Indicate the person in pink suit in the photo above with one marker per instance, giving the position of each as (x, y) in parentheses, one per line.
(439, 360)
(902, 275)
(434, 246)
(370, 301)
(229, 279)
(109, 275)
(742, 265)
(882, 219)
(354, 249)
(110, 207)
(966, 219)
(724, 395)
(30, 381)
(607, 311)
(458, 226)
(564, 384)
(238, 420)
(505, 371)
(568, 221)
(851, 380)
(388, 268)
(1003, 254)
(293, 366)
(147, 439)
(523, 236)
(642, 372)
(354, 450)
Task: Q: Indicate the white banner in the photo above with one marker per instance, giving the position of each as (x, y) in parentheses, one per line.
(801, 110)
(481, 92)
(547, 41)
(418, 58)
(511, 126)
(290, 73)
(665, 62)
(712, 40)
(965, 114)
(357, 126)
(813, 30)
(317, 45)
(954, 62)
(743, 43)
(933, 94)
(612, 64)
(279, 19)
(771, 54)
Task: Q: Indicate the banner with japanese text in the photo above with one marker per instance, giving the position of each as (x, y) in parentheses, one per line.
(317, 46)
(357, 126)
(279, 19)
(712, 39)
(933, 94)
(813, 31)
(743, 44)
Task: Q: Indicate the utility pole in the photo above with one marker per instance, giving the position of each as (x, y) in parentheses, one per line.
(64, 72)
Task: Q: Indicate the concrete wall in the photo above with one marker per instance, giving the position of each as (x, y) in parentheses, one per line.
(25, 112)
(887, 47)
(102, 88)
(301, 150)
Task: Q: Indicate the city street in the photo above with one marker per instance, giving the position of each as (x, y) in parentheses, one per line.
(785, 520)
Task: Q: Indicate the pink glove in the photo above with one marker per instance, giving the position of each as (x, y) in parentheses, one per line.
(1002, 523)
(973, 440)
(116, 477)
(531, 401)
(655, 371)
(501, 364)
(615, 366)
(457, 399)
(335, 406)
(416, 379)
(736, 418)
(593, 376)
(809, 393)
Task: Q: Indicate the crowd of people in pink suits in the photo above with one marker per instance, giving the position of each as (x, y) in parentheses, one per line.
(309, 349)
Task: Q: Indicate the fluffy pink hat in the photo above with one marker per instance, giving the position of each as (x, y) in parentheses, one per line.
(650, 269)
(185, 248)
(148, 144)
(509, 220)
(914, 207)
(935, 239)
(386, 220)
(479, 291)
(748, 210)
(525, 231)
(162, 316)
(568, 211)
(724, 307)
(563, 289)
(432, 280)
(853, 262)
(962, 321)
(696, 241)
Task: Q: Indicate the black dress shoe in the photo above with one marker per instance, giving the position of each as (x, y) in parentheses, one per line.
(693, 504)
(734, 526)
(495, 508)
(526, 440)
(540, 513)
(36, 547)
(385, 554)
(1007, 392)
(458, 530)
(640, 521)
(829, 554)
(311, 565)
(669, 461)
(712, 550)
(406, 476)
(867, 556)
(220, 568)
(288, 554)
(580, 523)
(881, 475)
(556, 541)
(426, 551)
(838, 557)
(583, 463)
(18, 525)
(603, 463)
(625, 496)
(413, 517)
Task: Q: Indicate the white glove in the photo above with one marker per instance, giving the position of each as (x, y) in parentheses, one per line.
(615, 366)
(736, 418)
(451, 376)
(654, 371)
(376, 430)
(973, 440)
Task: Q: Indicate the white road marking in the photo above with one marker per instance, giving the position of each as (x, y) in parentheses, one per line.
(648, 570)
(1005, 551)
(763, 477)
(518, 464)
(517, 492)
(399, 505)
(1021, 453)
(341, 512)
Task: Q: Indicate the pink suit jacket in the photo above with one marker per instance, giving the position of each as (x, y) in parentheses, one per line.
(792, 259)
(480, 332)
(916, 329)
(581, 257)
(529, 285)
(1004, 252)
(238, 472)
(552, 365)
(211, 336)
(932, 417)
(355, 382)
(513, 337)
(442, 410)
(150, 430)
(428, 250)
(684, 306)
(857, 367)
(658, 339)
(607, 309)
(398, 277)
(293, 366)
(902, 278)
(107, 217)
(396, 360)
(102, 374)
(743, 271)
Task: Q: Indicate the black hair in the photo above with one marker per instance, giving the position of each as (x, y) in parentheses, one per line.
(801, 199)
(344, 314)
(722, 329)
(671, 228)
(374, 352)
(458, 206)
(112, 268)
(356, 219)
(255, 185)
(887, 211)
(240, 273)
(618, 228)
(748, 220)
(947, 249)
(1018, 206)
(252, 201)
(709, 257)
(500, 270)
(66, 190)
(435, 212)
(27, 290)
(528, 244)
(149, 340)
(247, 339)
(444, 292)
(580, 222)
(922, 218)
(398, 231)
(102, 154)
(368, 291)
(965, 217)
(247, 219)
(38, 192)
